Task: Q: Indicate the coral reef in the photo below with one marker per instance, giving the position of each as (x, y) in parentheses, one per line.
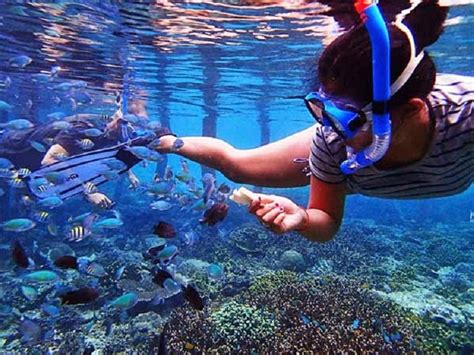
(292, 260)
(240, 324)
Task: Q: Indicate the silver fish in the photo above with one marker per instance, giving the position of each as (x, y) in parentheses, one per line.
(85, 143)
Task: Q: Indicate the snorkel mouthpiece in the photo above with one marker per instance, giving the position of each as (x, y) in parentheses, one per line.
(381, 125)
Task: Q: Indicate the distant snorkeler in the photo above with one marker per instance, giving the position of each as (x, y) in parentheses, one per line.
(428, 152)
(77, 146)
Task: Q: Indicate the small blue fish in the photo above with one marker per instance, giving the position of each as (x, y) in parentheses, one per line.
(61, 125)
(153, 125)
(215, 272)
(38, 147)
(5, 164)
(209, 182)
(133, 119)
(166, 255)
(18, 225)
(108, 223)
(56, 177)
(20, 61)
(5, 310)
(30, 331)
(171, 286)
(7, 173)
(77, 84)
(355, 324)
(42, 276)
(119, 272)
(17, 125)
(161, 205)
(5, 106)
(81, 97)
(50, 202)
(51, 310)
(161, 188)
(155, 156)
(53, 229)
(56, 116)
(30, 293)
(305, 319)
(40, 78)
(114, 164)
(93, 132)
(95, 269)
(141, 152)
(125, 301)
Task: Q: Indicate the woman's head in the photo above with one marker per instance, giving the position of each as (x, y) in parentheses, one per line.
(345, 67)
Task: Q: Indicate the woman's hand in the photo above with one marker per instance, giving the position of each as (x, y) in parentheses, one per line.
(166, 144)
(279, 214)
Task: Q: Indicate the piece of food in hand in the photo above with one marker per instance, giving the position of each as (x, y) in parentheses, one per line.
(243, 196)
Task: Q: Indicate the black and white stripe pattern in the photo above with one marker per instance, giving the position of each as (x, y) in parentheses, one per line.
(446, 169)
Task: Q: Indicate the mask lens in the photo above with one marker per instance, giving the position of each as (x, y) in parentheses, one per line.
(316, 109)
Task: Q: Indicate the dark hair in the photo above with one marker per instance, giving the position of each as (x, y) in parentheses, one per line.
(345, 66)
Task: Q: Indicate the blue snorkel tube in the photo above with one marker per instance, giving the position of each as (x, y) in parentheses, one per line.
(381, 125)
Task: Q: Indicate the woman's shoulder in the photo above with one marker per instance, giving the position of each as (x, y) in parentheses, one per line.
(455, 84)
(452, 92)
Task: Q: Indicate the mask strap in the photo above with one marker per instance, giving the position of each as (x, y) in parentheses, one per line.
(412, 63)
(407, 72)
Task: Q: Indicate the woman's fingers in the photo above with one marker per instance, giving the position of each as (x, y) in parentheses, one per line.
(279, 219)
(265, 209)
(270, 216)
(254, 206)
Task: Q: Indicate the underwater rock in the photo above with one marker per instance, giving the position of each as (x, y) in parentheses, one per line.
(425, 303)
(455, 277)
(446, 314)
(193, 266)
(468, 310)
(293, 261)
(249, 238)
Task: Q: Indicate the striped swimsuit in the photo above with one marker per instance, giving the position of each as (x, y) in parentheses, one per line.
(446, 169)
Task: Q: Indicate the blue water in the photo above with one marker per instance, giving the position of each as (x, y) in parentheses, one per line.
(219, 69)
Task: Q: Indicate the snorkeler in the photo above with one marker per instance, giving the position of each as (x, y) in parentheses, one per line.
(79, 145)
(426, 150)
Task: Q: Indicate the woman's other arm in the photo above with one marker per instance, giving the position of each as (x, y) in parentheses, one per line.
(270, 165)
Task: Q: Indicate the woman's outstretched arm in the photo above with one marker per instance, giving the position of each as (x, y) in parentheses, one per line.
(270, 165)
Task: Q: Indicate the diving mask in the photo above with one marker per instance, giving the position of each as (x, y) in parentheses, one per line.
(345, 119)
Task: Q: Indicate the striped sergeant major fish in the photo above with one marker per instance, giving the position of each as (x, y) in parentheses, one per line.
(85, 143)
(41, 216)
(23, 172)
(78, 233)
(16, 182)
(90, 188)
(7, 173)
